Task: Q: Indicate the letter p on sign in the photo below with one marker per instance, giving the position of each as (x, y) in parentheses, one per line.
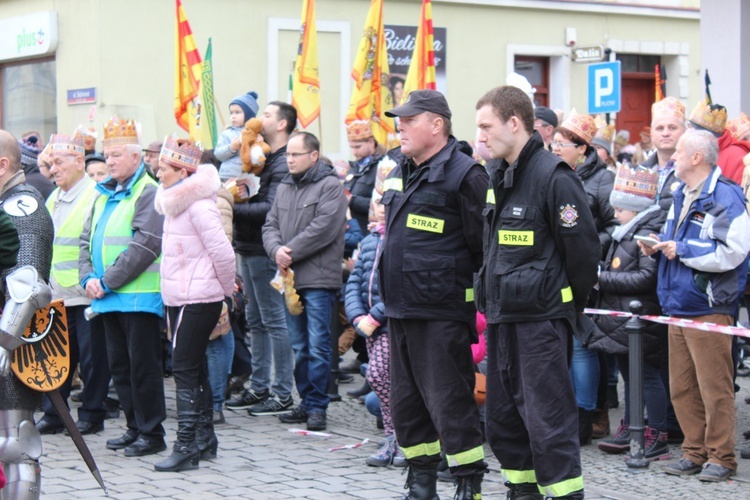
(604, 82)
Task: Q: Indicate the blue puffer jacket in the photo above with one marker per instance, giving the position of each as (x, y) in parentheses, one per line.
(362, 295)
(709, 274)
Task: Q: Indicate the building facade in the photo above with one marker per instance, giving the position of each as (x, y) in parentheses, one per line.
(65, 63)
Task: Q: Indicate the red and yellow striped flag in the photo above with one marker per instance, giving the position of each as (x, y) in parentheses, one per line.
(371, 96)
(421, 73)
(306, 84)
(658, 84)
(188, 71)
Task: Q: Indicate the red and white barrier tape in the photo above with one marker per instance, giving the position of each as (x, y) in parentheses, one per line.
(737, 331)
(349, 446)
(303, 432)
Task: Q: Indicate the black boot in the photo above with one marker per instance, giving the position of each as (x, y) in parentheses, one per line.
(421, 483)
(185, 453)
(205, 437)
(523, 491)
(362, 391)
(469, 487)
(585, 426)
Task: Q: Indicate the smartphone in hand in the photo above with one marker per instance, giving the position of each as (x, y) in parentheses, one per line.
(647, 240)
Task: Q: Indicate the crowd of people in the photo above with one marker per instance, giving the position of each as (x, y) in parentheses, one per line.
(446, 264)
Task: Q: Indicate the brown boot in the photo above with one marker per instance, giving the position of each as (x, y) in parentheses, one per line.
(600, 425)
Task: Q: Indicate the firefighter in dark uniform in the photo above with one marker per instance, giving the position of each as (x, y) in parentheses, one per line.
(541, 252)
(433, 200)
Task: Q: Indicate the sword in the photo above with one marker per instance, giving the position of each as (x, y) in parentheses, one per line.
(75, 434)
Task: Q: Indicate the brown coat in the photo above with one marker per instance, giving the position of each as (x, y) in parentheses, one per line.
(224, 202)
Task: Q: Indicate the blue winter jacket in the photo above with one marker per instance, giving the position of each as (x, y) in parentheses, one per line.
(362, 295)
(709, 273)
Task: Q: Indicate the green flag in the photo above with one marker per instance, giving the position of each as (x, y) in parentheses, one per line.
(208, 111)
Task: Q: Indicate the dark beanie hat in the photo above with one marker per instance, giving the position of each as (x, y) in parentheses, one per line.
(249, 104)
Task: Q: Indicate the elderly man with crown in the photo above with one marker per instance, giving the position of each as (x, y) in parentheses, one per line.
(713, 117)
(70, 204)
(120, 250)
(24, 291)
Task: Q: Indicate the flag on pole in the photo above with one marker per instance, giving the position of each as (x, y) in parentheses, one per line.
(707, 81)
(421, 73)
(208, 132)
(187, 72)
(658, 83)
(371, 96)
(306, 85)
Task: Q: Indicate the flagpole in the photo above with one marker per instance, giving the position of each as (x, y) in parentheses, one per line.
(320, 129)
(221, 115)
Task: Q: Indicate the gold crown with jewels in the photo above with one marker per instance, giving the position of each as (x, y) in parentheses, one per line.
(119, 132)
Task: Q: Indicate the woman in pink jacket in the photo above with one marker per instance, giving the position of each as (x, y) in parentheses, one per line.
(197, 272)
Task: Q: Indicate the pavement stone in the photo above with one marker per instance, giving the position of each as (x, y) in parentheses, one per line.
(260, 459)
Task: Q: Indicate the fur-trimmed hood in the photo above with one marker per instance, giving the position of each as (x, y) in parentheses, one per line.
(204, 183)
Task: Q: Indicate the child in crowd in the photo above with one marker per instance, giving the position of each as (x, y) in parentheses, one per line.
(227, 151)
(366, 313)
(628, 275)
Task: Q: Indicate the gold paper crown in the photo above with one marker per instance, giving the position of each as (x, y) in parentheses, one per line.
(669, 106)
(359, 130)
(739, 127)
(65, 145)
(637, 181)
(606, 132)
(712, 117)
(180, 153)
(120, 132)
(581, 125)
(89, 138)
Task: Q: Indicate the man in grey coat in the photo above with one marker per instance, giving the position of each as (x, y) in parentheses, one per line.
(304, 232)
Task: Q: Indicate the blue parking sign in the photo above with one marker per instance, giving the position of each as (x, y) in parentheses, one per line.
(605, 84)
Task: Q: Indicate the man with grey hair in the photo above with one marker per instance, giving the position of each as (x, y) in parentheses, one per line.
(702, 273)
(118, 266)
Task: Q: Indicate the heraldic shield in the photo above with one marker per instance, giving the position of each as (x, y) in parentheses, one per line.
(43, 361)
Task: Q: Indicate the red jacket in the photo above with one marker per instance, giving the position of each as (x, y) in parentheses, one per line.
(731, 153)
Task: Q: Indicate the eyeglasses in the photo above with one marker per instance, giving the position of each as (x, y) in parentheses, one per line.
(296, 155)
(555, 144)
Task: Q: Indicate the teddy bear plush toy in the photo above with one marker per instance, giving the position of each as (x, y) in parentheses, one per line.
(254, 148)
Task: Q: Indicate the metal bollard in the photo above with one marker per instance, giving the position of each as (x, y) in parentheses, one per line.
(634, 327)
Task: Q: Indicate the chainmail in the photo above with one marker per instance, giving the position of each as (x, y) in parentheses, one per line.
(16, 396)
(36, 233)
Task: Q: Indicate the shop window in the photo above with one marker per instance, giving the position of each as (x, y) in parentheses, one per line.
(28, 97)
(536, 71)
(638, 63)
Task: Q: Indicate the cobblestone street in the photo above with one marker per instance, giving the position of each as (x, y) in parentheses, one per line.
(260, 459)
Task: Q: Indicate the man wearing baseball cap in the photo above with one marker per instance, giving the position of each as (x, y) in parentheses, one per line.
(433, 200)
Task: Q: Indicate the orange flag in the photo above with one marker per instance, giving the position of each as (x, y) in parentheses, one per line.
(421, 73)
(658, 84)
(306, 83)
(188, 69)
(371, 97)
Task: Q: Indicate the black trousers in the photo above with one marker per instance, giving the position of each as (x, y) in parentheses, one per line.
(191, 326)
(88, 347)
(432, 393)
(531, 413)
(134, 352)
